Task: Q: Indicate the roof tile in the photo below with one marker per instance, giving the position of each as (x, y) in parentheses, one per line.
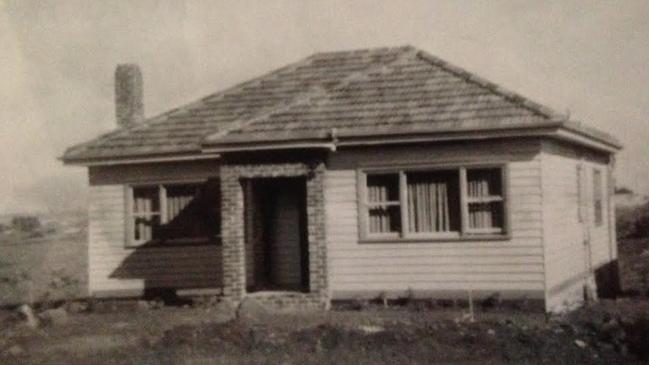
(386, 90)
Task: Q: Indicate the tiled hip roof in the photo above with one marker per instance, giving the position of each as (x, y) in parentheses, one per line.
(384, 91)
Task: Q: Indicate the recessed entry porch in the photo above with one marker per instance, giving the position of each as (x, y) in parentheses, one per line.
(273, 232)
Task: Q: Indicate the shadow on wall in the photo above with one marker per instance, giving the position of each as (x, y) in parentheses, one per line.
(183, 252)
(165, 269)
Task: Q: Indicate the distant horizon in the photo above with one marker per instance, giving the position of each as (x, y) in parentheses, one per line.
(588, 59)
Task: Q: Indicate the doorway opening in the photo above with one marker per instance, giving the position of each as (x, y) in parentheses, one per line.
(276, 240)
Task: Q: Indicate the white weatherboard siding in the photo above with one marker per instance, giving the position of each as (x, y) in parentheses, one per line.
(511, 266)
(115, 270)
(569, 263)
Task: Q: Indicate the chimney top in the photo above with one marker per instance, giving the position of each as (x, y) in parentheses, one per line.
(129, 108)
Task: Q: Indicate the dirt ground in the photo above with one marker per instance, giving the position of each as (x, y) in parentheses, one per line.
(606, 333)
(42, 269)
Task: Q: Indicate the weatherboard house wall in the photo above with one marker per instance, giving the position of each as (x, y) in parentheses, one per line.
(114, 268)
(511, 265)
(334, 120)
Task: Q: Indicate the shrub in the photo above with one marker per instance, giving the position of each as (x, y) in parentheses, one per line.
(27, 223)
(641, 224)
(623, 190)
(625, 218)
(632, 222)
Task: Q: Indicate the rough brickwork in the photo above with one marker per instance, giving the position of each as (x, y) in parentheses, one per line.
(233, 230)
(129, 107)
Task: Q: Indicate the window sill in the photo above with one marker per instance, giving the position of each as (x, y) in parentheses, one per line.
(432, 239)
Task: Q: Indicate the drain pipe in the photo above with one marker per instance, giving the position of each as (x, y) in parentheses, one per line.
(333, 134)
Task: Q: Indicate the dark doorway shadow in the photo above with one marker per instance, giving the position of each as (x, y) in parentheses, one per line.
(607, 278)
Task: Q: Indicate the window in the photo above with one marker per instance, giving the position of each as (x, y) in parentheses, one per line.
(485, 200)
(432, 203)
(580, 194)
(383, 204)
(597, 198)
(174, 213)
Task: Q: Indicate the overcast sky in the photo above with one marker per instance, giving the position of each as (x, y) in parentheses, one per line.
(57, 61)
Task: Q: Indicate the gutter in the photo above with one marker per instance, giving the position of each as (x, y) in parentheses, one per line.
(140, 160)
(334, 140)
(551, 129)
(271, 147)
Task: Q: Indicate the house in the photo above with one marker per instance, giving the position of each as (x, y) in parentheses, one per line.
(351, 174)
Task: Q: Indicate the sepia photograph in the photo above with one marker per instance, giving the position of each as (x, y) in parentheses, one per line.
(324, 182)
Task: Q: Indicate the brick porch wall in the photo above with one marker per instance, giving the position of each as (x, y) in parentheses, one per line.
(233, 230)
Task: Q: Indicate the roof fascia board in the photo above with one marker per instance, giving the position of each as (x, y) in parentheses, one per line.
(214, 152)
(587, 141)
(271, 146)
(592, 136)
(131, 161)
(383, 140)
(445, 136)
(551, 131)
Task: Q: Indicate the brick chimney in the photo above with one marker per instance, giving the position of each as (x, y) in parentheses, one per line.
(129, 109)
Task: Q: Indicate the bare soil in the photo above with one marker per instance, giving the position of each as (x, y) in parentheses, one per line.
(610, 332)
(42, 269)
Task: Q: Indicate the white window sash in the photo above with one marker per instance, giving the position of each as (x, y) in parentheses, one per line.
(465, 201)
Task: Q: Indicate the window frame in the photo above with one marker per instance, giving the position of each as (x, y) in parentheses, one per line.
(598, 197)
(580, 193)
(464, 233)
(161, 186)
(387, 203)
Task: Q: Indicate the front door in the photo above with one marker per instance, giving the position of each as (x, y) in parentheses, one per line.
(277, 234)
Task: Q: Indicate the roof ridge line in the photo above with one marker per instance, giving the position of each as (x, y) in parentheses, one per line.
(363, 50)
(310, 94)
(509, 95)
(164, 116)
(222, 93)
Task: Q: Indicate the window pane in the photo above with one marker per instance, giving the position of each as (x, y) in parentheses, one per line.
(580, 195)
(485, 207)
(385, 219)
(193, 210)
(486, 215)
(178, 198)
(597, 197)
(484, 182)
(147, 228)
(382, 188)
(146, 200)
(433, 201)
(146, 213)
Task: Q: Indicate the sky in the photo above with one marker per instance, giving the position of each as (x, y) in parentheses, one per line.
(57, 59)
